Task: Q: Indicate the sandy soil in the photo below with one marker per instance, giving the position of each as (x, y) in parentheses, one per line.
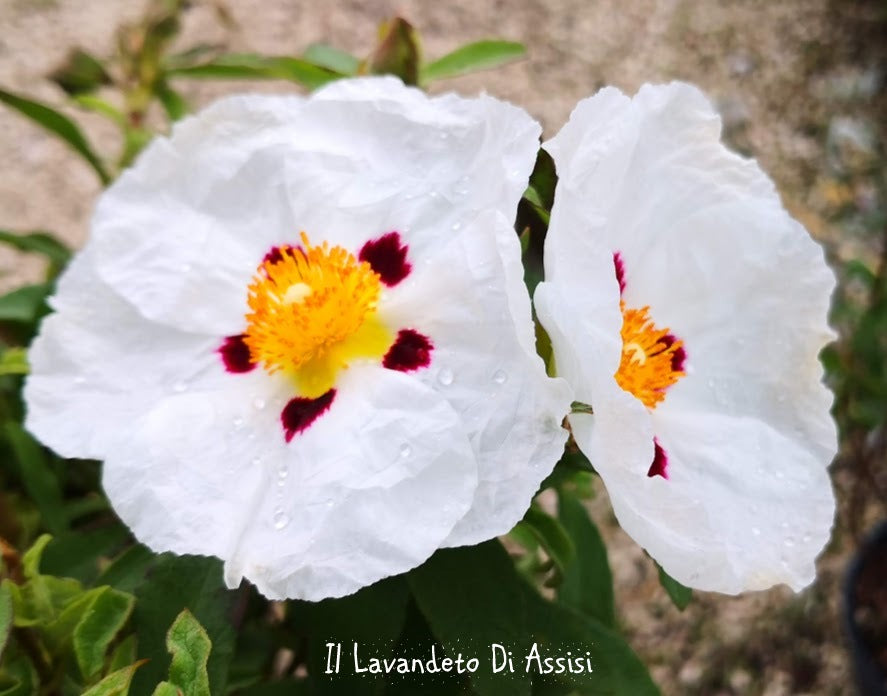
(782, 74)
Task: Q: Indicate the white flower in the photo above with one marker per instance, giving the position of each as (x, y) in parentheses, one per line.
(711, 426)
(299, 339)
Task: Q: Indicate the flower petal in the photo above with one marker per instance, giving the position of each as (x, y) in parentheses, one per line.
(706, 244)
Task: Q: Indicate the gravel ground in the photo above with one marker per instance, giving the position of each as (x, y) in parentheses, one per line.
(798, 83)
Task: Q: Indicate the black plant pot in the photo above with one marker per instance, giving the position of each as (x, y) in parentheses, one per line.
(865, 613)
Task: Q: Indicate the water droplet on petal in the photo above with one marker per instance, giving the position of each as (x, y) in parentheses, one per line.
(806, 539)
(405, 450)
(80, 379)
(434, 194)
(329, 503)
(179, 387)
(756, 531)
(789, 541)
(444, 135)
(445, 377)
(500, 377)
(186, 268)
(256, 461)
(456, 226)
(281, 519)
(238, 422)
(259, 404)
(282, 473)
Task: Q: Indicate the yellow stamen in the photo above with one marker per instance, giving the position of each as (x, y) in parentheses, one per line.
(647, 366)
(313, 312)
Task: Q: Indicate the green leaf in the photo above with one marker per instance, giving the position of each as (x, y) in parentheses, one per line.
(60, 125)
(248, 66)
(14, 361)
(480, 55)
(173, 103)
(115, 684)
(325, 56)
(32, 464)
(31, 557)
(678, 593)
(19, 677)
(80, 73)
(472, 597)
(26, 304)
(557, 629)
(398, 52)
(5, 614)
(100, 106)
(76, 554)
(176, 583)
(124, 654)
(39, 243)
(127, 571)
(531, 195)
(108, 612)
(372, 617)
(551, 535)
(190, 647)
(587, 586)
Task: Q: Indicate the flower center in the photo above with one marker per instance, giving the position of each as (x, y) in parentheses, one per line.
(652, 358)
(313, 311)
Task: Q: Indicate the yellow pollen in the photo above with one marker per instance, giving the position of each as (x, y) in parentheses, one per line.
(646, 370)
(312, 313)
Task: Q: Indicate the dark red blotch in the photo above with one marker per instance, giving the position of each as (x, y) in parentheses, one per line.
(679, 357)
(235, 354)
(411, 350)
(620, 271)
(659, 467)
(275, 254)
(388, 257)
(299, 413)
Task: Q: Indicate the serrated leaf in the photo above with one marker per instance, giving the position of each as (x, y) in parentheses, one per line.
(480, 55)
(190, 648)
(557, 629)
(25, 304)
(32, 465)
(116, 683)
(166, 689)
(5, 614)
(14, 361)
(331, 58)
(679, 594)
(551, 535)
(57, 124)
(248, 66)
(587, 583)
(176, 583)
(124, 654)
(472, 597)
(98, 627)
(31, 557)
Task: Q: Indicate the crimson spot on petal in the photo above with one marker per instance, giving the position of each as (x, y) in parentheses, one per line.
(679, 357)
(299, 413)
(276, 253)
(411, 350)
(235, 354)
(620, 271)
(388, 257)
(660, 461)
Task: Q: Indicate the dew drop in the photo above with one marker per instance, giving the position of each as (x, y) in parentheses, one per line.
(186, 268)
(405, 450)
(500, 377)
(256, 461)
(329, 502)
(756, 531)
(789, 541)
(445, 377)
(259, 404)
(80, 379)
(238, 422)
(444, 135)
(456, 226)
(281, 519)
(282, 473)
(434, 194)
(806, 539)
(179, 387)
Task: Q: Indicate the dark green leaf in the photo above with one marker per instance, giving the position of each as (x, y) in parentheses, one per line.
(190, 648)
(60, 125)
(679, 595)
(115, 684)
(372, 617)
(127, 571)
(20, 677)
(39, 243)
(80, 73)
(26, 304)
(76, 554)
(331, 58)
(14, 361)
(176, 583)
(472, 597)
(552, 536)
(37, 477)
(5, 614)
(535, 200)
(247, 66)
(557, 629)
(173, 103)
(587, 586)
(124, 654)
(398, 52)
(543, 180)
(480, 55)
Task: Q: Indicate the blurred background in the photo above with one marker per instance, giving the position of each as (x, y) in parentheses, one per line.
(800, 86)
